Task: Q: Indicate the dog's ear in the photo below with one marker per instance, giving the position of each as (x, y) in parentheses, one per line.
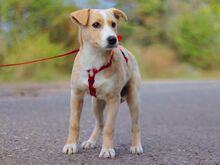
(81, 17)
(119, 14)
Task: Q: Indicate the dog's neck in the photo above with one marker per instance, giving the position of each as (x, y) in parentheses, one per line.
(91, 57)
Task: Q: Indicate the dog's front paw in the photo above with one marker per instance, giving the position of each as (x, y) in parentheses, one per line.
(107, 153)
(88, 144)
(136, 149)
(70, 149)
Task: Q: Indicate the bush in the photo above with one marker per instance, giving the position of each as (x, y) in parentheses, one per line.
(197, 37)
(36, 48)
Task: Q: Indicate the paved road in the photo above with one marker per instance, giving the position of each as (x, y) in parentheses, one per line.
(180, 124)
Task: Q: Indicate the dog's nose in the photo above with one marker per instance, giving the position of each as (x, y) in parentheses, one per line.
(112, 40)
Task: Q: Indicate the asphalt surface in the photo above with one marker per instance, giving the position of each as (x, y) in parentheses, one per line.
(180, 123)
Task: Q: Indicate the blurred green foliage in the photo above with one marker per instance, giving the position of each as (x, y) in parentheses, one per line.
(169, 38)
(35, 29)
(196, 36)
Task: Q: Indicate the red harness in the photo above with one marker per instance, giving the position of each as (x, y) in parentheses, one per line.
(92, 72)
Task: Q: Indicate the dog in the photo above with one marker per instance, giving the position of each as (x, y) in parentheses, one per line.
(109, 73)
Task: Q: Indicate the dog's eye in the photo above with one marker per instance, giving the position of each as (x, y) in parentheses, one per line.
(96, 25)
(113, 24)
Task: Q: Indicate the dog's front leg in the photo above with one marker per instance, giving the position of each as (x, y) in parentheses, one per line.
(112, 105)
(74, 127)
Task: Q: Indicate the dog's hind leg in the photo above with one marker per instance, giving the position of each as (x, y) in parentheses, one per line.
(132, 100)
(98, 107)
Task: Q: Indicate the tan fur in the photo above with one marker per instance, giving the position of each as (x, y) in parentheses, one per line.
(92, 35)
(120, 79)
(76, 109)
(119, 14)
(81, 17)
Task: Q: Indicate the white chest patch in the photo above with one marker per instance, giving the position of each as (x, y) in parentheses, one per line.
(102, 85)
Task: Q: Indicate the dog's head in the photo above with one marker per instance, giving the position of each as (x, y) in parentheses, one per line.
(99, 27)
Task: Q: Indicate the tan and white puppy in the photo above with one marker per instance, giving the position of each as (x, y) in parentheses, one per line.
(116, 83)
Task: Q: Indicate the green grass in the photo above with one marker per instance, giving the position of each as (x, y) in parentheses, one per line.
(36, 48)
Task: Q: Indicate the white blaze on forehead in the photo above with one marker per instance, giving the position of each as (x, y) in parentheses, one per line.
(107, 31)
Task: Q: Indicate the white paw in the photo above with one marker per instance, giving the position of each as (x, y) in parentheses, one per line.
(136, 149)
(70, 149)
(107, 153)
(88, 144)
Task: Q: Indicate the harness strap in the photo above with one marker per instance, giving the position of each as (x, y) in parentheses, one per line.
(92, 72)
(125, 57)
(91, 76)
(91, 81)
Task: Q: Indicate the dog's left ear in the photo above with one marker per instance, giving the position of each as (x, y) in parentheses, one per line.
(119, 14)
(81, 17)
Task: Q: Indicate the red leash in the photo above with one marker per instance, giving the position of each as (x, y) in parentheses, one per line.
(91, 76)
(49, 58)
(43, 59)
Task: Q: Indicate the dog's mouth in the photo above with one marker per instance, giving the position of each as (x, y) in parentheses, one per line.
(111, 46)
